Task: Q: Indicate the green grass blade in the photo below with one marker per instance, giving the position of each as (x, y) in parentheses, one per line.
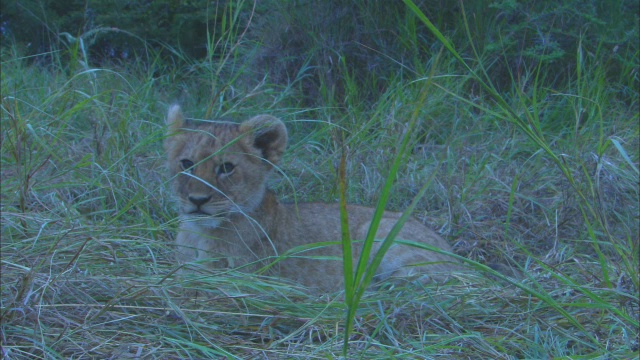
(624, 154)
(391, 237)
(512, 196)
(347, 256)
(368, 266)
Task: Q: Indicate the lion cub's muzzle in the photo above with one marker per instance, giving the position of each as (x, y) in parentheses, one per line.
(201, 205)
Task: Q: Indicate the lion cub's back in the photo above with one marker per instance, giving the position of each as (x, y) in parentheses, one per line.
(318, 222)
(321, 222)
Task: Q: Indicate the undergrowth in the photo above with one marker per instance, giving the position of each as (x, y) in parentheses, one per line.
(541, 180)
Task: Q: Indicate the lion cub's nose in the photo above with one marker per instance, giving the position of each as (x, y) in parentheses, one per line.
(199, 200)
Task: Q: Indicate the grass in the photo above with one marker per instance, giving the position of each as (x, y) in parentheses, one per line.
(542, 178)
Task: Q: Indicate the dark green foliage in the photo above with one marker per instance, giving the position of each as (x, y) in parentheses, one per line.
(336, 41)
(113, 29)
(532, 32)
(339, 41)
(332, 41)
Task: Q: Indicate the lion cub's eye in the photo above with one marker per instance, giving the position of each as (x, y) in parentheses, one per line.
(186, 164)
(225, 168)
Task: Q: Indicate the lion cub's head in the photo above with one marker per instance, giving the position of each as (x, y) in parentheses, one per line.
(219, 169)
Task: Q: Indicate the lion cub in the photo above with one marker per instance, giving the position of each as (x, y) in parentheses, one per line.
(219, 173)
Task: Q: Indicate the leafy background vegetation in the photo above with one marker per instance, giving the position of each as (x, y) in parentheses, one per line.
(528, 133)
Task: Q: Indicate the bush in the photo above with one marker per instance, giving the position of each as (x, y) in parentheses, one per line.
(114, 28)
(339, 41)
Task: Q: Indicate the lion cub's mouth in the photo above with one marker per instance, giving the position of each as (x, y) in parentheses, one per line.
(201, 213)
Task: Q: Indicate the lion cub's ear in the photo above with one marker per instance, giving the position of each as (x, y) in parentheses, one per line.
(175, 119)
(268, 134)
(175, 122)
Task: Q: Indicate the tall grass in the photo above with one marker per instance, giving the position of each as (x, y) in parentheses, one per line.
(541, 178)
(355, 284)
(589, 200)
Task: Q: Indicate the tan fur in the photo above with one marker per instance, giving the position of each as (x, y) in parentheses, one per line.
(240, 222)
